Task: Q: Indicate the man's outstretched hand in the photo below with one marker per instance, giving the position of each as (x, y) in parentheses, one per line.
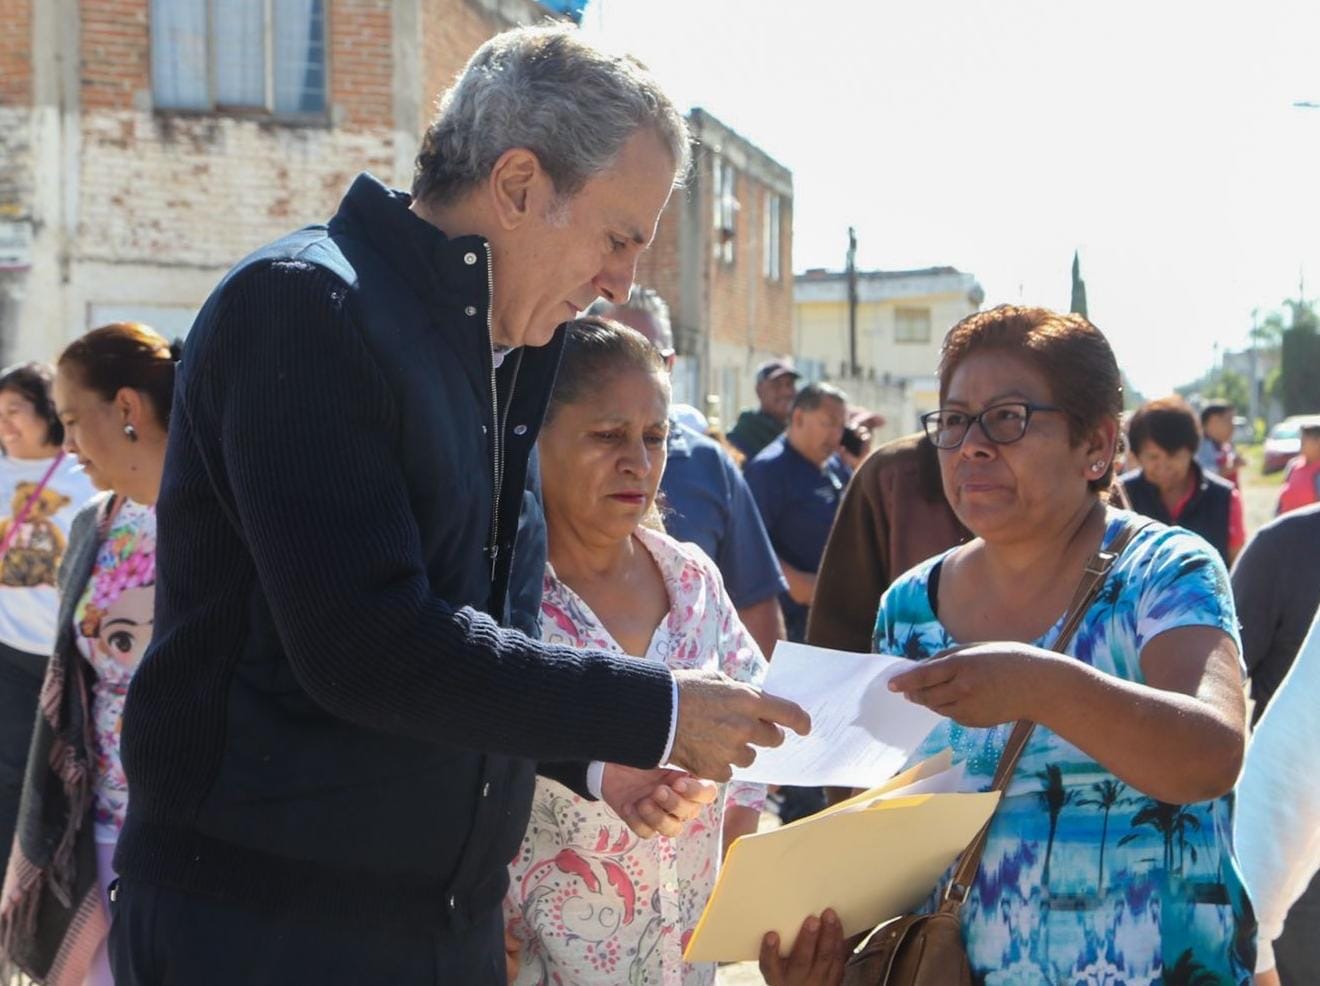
(655, 802)
(720, 720)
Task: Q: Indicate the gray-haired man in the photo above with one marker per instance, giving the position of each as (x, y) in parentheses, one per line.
(331, 742)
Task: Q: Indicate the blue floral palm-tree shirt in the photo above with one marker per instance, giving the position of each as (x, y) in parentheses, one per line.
(1084, 879)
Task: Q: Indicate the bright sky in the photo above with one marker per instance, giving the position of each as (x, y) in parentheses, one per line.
(1158, 138)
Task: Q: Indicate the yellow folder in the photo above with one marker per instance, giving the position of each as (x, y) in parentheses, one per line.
(871, 858)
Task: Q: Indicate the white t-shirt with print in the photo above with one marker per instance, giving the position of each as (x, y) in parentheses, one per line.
(29, 600)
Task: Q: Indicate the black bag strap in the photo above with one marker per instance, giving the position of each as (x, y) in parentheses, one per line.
(1093, 579)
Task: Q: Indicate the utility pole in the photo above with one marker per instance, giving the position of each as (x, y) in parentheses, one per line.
(852, 302)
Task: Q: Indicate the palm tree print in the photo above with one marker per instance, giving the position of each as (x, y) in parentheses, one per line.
(1108, 793)
(1055, 797)
(1172, 822)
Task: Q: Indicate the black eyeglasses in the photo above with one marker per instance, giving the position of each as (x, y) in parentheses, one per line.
(1003, 423)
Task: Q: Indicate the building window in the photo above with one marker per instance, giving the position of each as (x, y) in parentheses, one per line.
(770, 267)
(262, 56)
(726, 209)
(912, 325)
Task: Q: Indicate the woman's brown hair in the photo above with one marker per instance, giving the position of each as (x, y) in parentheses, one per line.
(125, 354)
(1071, 353)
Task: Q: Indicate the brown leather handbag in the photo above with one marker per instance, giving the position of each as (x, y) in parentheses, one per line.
(928, 949)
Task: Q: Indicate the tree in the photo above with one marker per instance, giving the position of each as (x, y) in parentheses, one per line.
(1054, 797)
(1107, 795)
(1232, 387)
(1300, 365)
(1078, 304)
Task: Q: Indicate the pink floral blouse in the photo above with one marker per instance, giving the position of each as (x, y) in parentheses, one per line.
(590, 902)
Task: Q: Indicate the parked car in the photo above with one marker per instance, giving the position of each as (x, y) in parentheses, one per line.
(1282, 443)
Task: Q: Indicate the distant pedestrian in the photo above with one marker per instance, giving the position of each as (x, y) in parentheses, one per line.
(705, 497)
(41, 491)
(776, 382)
(798, 481)
(1276, 584)
(1301, 481)
(1170, 486)
(113, 390)
(1217, 454)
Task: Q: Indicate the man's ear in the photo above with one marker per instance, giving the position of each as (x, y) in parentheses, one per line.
(516, 185)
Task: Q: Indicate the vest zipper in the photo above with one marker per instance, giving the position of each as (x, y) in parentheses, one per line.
(497, 443)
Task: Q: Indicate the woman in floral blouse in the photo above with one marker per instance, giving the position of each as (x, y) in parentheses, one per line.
(589, 901)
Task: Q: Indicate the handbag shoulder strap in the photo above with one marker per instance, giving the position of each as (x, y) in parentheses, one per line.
(1093, 579)
(21, 516)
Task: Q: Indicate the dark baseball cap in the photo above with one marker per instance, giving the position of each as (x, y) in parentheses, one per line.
(774, 369)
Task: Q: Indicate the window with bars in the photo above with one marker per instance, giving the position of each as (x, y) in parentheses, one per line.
(912, 325)
(726, 210)
(264, 56)
(770, 266)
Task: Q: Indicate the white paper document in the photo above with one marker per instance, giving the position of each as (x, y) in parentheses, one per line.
(861, 732)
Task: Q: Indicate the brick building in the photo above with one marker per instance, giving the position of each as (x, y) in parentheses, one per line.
(722, 260)
(147, 145)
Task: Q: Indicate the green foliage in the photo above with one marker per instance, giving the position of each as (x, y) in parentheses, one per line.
(1230, 386)
(1300, 360)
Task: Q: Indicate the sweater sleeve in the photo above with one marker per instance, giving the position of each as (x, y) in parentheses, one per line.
(852, 571)
(1256, 594)
(308, 429)
(1277, 823)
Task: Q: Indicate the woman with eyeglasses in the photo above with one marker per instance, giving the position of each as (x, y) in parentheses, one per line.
(1170, 485)
(1110, 857)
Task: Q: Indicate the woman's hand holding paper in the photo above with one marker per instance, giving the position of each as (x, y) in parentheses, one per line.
(982, 685)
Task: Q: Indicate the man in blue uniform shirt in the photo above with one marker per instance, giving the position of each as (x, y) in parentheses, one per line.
(798, 480)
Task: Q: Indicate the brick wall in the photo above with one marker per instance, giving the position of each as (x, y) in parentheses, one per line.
(16, 53)
(451, 31)
(15, 108)
(658, 267)
(745, 307)
(361, 63)
(205, 189)
(115, 63)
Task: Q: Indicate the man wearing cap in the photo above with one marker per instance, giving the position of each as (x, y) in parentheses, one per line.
(706, 498)
(776, 383)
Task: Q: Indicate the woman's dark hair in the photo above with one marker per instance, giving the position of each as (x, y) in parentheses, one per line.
(1169, 422)
(32, 382)
(1071, 353)
(125, 354)
(596, 349)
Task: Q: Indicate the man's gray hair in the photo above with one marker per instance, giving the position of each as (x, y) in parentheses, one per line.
(548, 90)
(813, 395)
(648, 302)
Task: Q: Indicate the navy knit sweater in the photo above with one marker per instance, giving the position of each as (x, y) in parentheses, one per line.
(329, 720)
